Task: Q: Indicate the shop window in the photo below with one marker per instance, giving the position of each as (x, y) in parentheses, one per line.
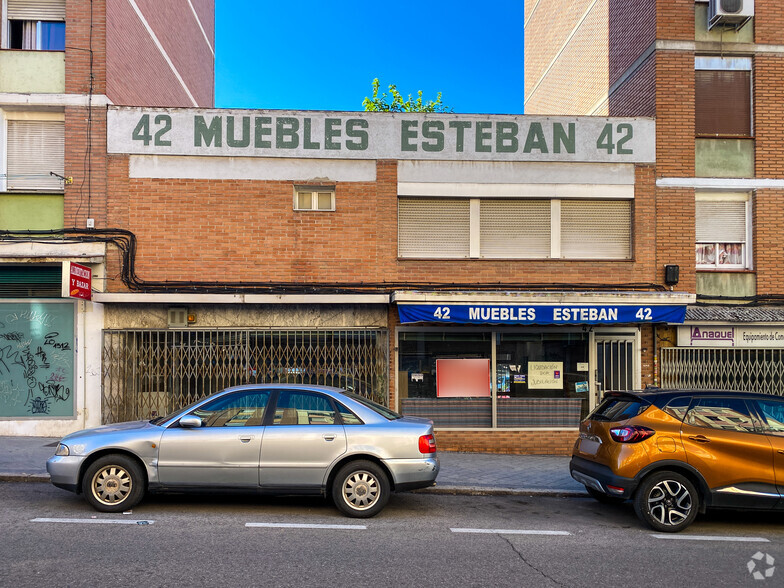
(314, 199)
(421, 355)
(35, 153)
(35, 25)
(514, 228)
(722, 97)
(722, 223)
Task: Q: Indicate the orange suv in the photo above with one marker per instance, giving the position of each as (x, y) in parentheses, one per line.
(678, 452)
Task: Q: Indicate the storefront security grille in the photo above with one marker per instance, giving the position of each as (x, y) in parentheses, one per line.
(754, 370)
(150, 373)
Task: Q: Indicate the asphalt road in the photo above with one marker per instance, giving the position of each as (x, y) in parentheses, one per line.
(50, 537)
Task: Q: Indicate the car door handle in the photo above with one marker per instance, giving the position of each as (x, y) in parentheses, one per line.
(246, 438)
(699, 438)
(329, 437)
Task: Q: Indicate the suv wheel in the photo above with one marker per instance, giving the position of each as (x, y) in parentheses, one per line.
(666, 501)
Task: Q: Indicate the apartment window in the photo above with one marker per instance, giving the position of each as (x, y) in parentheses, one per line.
(722, 228)
(34, 151)
(36, 25)
(722, 96)
(314, 198)
(514, 228)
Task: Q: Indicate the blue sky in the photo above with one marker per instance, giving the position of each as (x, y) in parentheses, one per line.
(317, 55)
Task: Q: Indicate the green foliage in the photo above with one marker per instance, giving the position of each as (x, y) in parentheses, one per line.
(381, 103)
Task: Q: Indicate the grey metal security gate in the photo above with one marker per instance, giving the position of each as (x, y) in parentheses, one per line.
(755, 370)
(148, 373)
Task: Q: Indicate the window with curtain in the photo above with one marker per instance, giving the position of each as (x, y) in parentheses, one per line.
(36, 24)
(721, 230)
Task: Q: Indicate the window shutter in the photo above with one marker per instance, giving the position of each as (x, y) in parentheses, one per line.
(722, 102)
(720, 221)
(37, 281)
(595, 229)
(35, 148)
(36, 10)
(514, 228)
(433, 227)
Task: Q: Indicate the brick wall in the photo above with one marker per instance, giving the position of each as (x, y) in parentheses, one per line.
(85, 46)
(768, 247)
(236, 230)
(137, 72)
(676, 235)
(768, 21)
(512, 442)
(86, 196)
(675, 114)
(768, 111)
(674, 19)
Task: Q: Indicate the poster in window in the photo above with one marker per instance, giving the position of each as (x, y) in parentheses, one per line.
(545, 375)
(462, 378)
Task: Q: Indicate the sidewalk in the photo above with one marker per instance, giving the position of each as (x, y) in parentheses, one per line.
(23, 459)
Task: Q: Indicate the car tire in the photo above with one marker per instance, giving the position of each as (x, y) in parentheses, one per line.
(360, 489)
(113, 483)
(667, 501)
(604, 498)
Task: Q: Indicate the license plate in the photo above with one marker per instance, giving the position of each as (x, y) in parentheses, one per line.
(589, 446)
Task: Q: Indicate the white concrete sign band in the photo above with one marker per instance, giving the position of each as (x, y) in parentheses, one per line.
(377, 135)
(730, 336)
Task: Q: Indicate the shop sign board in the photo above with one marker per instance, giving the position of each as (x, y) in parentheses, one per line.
(480, 314)
(375, 135)
(80, 282)
(731, 336)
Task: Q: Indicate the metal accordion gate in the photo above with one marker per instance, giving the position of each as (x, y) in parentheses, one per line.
(752, 370)
(147, 373)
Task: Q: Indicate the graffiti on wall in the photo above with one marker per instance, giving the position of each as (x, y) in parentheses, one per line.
(36, 359)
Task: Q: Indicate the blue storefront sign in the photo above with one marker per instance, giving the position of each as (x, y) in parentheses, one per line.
(579, 314)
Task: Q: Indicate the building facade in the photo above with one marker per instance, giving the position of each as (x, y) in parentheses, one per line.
(61, 63)
(710, 72)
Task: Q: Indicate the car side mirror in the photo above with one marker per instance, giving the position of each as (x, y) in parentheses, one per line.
(190, 421)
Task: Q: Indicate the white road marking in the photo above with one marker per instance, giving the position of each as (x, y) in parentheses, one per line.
(712, 538)
(99, 521)
(510, 531)
(304, 526)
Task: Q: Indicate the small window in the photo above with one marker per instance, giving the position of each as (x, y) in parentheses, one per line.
(303, 408)
(773, 411)
(317, 199)
(36, 35)
(677, 407)
(721, 231)
(348, 417)
(241, 409)
(727, 414)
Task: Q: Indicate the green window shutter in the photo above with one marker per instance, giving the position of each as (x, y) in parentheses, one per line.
(30, 281)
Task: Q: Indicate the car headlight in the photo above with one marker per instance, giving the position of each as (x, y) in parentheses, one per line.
(62, 450)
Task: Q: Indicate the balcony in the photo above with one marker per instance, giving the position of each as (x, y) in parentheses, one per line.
(32, 72)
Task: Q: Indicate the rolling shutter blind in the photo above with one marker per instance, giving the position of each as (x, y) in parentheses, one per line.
(595, 229)
(36, 10)
(720, 221)
(37, 281)
(433, 227)
(722, 102)
(514, 228)
(35, 148)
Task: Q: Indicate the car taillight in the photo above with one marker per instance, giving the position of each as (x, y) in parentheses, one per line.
(427, 444)
(631, 434)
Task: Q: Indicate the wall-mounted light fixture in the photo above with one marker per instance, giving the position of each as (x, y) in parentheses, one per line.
(671, 274)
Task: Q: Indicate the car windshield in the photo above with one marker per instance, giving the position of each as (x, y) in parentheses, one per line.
(162, 419)
(388, 414)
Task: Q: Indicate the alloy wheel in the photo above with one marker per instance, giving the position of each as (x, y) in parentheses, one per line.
(111, 485)
(670, 502)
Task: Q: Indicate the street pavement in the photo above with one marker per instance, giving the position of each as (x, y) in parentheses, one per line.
(23, 459)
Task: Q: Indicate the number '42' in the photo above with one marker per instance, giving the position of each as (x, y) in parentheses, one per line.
(605, 140)
(142, 130)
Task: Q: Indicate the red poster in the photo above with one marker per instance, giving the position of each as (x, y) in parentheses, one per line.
(80, 284)
(462, 377)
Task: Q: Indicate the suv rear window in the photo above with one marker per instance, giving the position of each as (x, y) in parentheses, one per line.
(619, 409)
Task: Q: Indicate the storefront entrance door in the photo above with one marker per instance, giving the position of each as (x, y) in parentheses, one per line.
(616, 363)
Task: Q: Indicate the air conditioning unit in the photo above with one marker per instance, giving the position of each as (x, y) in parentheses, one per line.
(729, 13)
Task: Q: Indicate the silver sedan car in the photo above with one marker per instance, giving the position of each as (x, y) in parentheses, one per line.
(269, 438)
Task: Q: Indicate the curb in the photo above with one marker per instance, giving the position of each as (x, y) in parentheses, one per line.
(24, 477)
(490, 491)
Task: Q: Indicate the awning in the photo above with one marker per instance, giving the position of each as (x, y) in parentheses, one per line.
(542, 308)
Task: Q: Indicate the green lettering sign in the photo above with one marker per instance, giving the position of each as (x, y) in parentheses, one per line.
(535, 139)
(307, 143)
(263, 129)
(286, 136)
(483, 135)
(433, 129)
(562, 138)
(207, 135)
(506, 137)
(460, 126)
(332, 131)
(353, 126)
(407, 133)
(231, 139)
